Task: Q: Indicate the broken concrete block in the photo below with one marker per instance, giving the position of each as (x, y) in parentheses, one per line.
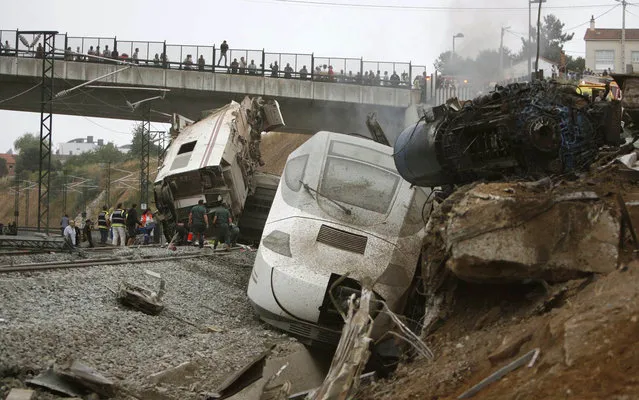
(509, 348)
(20, 394)
(493, 236)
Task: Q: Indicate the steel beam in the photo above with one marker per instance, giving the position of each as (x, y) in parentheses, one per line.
(144, 157)
(46, 126)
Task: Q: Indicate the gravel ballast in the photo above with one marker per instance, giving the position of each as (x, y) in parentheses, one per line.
(56, 314)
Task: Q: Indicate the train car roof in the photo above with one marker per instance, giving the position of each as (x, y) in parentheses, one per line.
(199, 145)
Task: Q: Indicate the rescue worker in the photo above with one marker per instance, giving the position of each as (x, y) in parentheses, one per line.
(132, 223)
(88, 224)
(117, 223)
(148, 224)
(199, 221)
(69, 234)
(103, 225)
(221, 221)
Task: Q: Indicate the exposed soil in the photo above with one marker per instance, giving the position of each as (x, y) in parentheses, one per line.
(276, 147)
(587, 342)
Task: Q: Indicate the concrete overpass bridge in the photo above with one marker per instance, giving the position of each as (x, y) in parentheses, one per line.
(315, 102)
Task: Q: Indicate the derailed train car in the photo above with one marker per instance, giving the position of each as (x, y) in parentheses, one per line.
(216, 157)
(519, 130)
(340, 209)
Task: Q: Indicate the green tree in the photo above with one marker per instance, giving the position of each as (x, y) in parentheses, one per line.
(136, 143)
(4, 170)
(551, 41)
(576, 64)
(28, 158)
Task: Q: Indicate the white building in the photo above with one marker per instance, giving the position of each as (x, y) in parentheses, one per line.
(603, 49)
(520, 70)
(79, 146)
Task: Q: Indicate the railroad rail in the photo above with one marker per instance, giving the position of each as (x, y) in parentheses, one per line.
(90, 263)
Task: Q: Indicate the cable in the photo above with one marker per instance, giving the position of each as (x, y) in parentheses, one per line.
(424, 8)
(20, 94)
(596, 18)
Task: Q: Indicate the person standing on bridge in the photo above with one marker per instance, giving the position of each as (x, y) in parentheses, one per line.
(117, 223)
(103, 225)
(64, 222)
(199, 221)
(223, 49)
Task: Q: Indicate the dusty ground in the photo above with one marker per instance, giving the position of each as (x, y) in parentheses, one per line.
(51, 315)
(586, 331)
(276, 147)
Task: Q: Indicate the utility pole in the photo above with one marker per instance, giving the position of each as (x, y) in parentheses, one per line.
(624, 3)
(501, 51)
(538, 37)
(530, 2)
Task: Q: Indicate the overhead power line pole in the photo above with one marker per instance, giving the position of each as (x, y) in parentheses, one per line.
(623, 35)
(530, 3)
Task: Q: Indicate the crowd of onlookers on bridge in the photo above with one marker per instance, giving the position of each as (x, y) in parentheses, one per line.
(324, 72)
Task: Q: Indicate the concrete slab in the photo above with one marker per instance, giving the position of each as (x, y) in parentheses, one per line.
(96, 70)
(352, 93)
(254, 84)
(152, 76)
(173, 78)
(8, 66)
(75, 71)
(306, 90)
(20, 394)
(222, 83)
(335, 92)
(271, 87)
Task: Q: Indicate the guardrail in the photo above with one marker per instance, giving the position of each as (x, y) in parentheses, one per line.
(212, 59)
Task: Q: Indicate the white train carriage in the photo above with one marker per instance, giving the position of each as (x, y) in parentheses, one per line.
(340, 208)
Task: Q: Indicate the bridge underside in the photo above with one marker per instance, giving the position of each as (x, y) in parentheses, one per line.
(301, 115)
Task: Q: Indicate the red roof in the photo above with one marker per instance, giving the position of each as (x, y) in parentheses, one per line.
(11, 158)
(610, 34)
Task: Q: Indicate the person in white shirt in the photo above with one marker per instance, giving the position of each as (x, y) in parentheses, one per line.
(69, 233)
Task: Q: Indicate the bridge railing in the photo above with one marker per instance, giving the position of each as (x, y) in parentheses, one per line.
(175, 56)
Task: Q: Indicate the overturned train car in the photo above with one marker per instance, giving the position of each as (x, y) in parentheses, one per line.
(532, 130)
(219, 156)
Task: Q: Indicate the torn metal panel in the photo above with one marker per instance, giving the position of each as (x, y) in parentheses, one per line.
(57, 383)
(352, 352)
(250, 373)
(33, 242)
(87, 377)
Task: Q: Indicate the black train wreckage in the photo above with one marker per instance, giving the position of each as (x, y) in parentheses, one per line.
(531, 129)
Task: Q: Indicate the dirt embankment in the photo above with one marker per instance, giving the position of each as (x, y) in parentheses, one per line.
(276, 147)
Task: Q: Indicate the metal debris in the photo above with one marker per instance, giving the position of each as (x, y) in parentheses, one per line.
(500, 373)
(242, 378)
(142, 298)
(352, 352)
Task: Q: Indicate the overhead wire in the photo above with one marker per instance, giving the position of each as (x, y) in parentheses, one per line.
(596, 18)
(20, 94)
(424, 8)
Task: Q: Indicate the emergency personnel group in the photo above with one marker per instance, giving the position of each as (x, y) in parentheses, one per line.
(121, 226)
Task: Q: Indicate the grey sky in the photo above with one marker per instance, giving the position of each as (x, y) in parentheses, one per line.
(384, 34)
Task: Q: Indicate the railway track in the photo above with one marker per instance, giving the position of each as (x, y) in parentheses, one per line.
(90, 263)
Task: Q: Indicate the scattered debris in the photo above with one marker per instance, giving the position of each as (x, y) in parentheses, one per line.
(242, 378)
(500, 373)
(74, 379)
(20, 394)
(142, 298)
(276, 392)
(352, 352)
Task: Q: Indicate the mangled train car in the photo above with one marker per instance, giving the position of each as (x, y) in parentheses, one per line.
(217, 157)
(341, 214)
(520, 130)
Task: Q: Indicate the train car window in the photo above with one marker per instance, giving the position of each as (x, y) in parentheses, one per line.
(187, 147)
(358, 184)
(294, 173)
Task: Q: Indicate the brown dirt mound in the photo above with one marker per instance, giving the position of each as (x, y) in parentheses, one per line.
(276, 146)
